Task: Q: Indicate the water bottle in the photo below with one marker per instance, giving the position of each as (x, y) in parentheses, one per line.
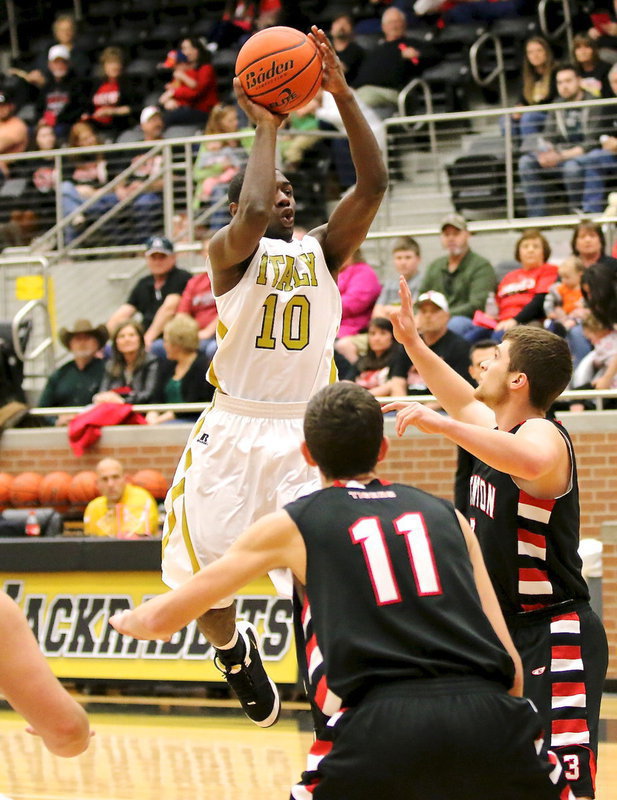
(491, 308)
(32, 524)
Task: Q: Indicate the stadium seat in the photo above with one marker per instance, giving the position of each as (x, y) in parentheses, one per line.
(477, 183)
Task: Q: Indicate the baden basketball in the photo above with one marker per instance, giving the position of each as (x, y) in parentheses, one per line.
(6, 481)
(153, 481)
(25, 489)
(83, 488)
(279, 68)
(54, 489)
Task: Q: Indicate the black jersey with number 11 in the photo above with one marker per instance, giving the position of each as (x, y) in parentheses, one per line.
(390, 593)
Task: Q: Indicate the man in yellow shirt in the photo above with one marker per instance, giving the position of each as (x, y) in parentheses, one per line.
(123, 510)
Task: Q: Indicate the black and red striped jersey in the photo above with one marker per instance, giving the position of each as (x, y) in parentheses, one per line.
(390, 593)
(530, 545)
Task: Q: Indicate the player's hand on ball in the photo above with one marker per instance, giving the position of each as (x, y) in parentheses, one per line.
(254, 111)
(422, 418)
(333, 75)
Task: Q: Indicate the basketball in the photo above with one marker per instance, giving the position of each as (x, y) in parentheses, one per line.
(6, 481)
(83, 488)
(54, 489)
(279, 68)
(153, 481)
(25, 489)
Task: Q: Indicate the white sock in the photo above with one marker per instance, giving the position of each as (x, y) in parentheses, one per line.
(231, 643)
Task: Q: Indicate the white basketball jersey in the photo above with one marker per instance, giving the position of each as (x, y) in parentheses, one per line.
(277, 326)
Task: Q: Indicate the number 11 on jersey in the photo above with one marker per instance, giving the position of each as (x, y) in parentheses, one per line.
(368, 533)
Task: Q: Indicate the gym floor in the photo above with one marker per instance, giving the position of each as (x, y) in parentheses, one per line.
(188, 750)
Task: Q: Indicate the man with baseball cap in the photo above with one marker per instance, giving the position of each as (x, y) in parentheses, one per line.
(156, 296)
(432, 318)
(63, 97)
(76, 382)
(462, 276)
(13, 130)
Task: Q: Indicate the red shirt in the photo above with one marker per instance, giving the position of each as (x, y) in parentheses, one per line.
(520, 286)
(198, 301)
(205, 95)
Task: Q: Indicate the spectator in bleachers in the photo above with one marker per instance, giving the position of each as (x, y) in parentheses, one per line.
(567, 137)
(521, 293)
(464, 277)
(217, 162)
(603, 30)
(349, 52)
(87, 173)
(182, 377)
(589, 244)
(240, 19)
(564, 306)
(76, 382)
(62, 98)
(390, 65)
(192, 92)
(197, 300)
(143, 215)
(156, 296)
(65, 33)
(123, 510)
(538, 87)
(592, 70)
(359, 287)
(13, 132)
(464, 11)
(376, 369)
(599, 369)
(40, 194)
(113, 103)
(131, 372)
(406, 262)
(599, 285)
(294, 148)
(432, 319)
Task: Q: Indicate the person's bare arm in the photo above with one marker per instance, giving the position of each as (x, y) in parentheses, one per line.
(452, 391)
(233, 245)
(536, 456)
(350, 221)
(490, 604)
(210, 329)
(271, 542)
(167, 310)
(122, 314)
(32, 689)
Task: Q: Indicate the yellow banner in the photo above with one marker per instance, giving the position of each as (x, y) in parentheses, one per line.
(69, 614)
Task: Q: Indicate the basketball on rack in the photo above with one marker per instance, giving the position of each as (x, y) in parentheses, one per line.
(54, 489)
(153, 481)
(279, 68)
(83, 488)
(6, 481)
(25, 489)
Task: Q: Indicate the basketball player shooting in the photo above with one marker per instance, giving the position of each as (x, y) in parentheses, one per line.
(524, 508)
(279, 311)
(410, 655)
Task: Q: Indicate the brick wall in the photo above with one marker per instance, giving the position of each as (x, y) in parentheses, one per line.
(426, 461)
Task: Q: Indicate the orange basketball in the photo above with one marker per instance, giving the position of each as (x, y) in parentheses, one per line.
(152, 480)
(83, 488)
(279, 68)
(25, 489)
(6, 481)
(54, 489)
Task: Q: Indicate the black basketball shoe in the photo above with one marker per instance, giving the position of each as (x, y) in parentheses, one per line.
(248, 680)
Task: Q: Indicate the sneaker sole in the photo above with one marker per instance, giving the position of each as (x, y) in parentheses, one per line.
(272, 718)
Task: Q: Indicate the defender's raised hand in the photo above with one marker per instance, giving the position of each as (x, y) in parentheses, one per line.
(403, 321)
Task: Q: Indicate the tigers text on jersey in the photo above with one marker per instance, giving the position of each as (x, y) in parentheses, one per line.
(390, 593)
(530, 545)
(277, 326)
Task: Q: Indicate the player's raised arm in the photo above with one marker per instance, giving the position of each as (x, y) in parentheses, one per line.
(273, 541)
(454, 394)
(349, 222)
(237, 241)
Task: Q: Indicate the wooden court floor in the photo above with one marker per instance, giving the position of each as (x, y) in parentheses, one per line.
(171, 756)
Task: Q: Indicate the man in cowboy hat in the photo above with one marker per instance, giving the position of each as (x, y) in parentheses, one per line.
(77, 381)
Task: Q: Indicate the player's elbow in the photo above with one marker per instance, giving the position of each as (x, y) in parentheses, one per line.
(535, 466)
(71, 735)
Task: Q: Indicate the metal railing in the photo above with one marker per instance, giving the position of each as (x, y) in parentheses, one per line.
(565, 28)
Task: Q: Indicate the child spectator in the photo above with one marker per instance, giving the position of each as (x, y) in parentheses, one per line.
(563, 304)
(406, 262)
(217, 162)
(113, 102)
(604, 341)
(374, 371)
(359, 287)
